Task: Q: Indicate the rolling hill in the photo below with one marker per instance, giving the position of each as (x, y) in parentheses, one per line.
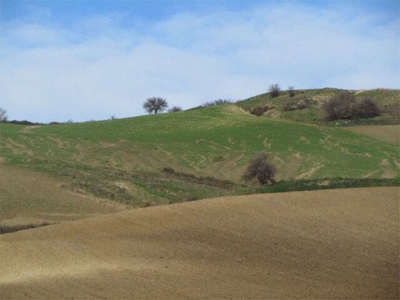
(205, 151)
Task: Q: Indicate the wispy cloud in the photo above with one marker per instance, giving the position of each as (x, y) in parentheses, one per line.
(99, 65)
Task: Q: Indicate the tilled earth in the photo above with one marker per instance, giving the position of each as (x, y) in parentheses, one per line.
(323, 245)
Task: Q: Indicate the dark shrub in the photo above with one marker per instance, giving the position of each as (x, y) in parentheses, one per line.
(291, 91)
(217, 102)
(259, 110)
(274, 90)
(341, 106)
(174, 109)
(168, 170)
(260, 170)
(367, 108)
(344, 107)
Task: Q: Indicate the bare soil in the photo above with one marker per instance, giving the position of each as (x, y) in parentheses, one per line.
(386, 133)
(333, 244)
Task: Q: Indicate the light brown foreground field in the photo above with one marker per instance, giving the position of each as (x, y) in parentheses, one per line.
(321, 245)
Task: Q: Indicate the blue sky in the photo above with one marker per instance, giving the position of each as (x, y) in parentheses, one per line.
(89, 60)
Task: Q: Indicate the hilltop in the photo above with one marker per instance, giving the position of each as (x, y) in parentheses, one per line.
(305, 105)
(199, 153)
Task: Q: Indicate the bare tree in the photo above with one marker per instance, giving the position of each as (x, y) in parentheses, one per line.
(291, 91)
(3, 115)
(155, 104)
(274, 90)
(260, 170)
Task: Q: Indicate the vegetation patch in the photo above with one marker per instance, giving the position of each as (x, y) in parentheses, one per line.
(13, 228)
(207, 180)
(327, 183)
(344, 106)
(101, 189)
(298, 103)
(259, 110)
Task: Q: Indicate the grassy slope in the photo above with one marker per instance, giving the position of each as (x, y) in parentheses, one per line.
(123, 159)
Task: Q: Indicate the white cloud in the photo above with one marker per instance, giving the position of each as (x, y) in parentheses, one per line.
(100, 66)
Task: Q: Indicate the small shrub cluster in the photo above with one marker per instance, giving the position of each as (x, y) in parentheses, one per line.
(327, 183)
(343, 106)
(259, 110)
(298, 103)
(24, 122)
(174, 109)
(217, 102)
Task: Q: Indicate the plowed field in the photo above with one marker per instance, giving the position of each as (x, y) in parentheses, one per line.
(321, 244)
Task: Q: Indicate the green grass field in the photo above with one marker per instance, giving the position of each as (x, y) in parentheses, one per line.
(123, 159)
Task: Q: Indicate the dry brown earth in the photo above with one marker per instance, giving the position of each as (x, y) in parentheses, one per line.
(386, 133)
(334, 244)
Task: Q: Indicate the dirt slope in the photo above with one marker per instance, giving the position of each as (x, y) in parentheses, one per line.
(321, 245)
(386, 133)
(29, 197)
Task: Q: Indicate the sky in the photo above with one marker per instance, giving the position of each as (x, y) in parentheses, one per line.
(85, 60)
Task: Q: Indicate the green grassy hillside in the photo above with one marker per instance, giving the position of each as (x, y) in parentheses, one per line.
(124, 159)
